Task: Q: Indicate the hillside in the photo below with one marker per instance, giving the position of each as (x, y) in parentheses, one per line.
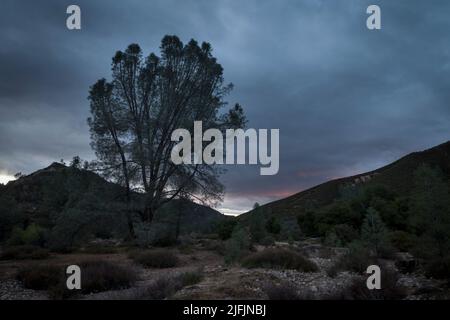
(58, 196)
(397, 176)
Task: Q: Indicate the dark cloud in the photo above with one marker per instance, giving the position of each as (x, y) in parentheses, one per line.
(344, 98)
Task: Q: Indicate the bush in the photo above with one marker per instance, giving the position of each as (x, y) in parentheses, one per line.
(155, 259)
(96, 276)
(357, 260)
(273, 226)
(279, 258)
(162, 288)
(237, 246)
(41, 276)
(32, 235)
(156, 234)
(225, 228)
(24, 252)
(358, 290)
(190, 278)
(439, 268)
(402, 240)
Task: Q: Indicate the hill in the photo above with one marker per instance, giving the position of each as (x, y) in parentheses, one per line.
(397, 177)
(59, 198)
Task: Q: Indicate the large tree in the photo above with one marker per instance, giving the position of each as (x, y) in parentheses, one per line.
(134, 115)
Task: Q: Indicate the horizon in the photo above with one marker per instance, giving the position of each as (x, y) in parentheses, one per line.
(4, 179)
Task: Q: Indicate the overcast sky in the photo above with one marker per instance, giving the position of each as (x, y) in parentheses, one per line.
(346, 99)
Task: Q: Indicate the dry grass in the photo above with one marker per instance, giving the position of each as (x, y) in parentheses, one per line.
(279, 259)
(155, 259)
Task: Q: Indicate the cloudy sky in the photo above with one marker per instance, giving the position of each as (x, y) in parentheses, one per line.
(345, 99)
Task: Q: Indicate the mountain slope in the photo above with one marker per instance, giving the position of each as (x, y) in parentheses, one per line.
(58, 196)
(397, 176)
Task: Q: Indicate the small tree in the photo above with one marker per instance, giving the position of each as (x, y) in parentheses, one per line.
(273, 226)
(76, 162)
(19, 175)
(256, 227)
(373, 231)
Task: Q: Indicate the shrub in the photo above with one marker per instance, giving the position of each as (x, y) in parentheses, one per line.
(402, 240)
(357, 259)
(155, 259)
(156, 234)
(162, 288)
(225, 228)
(439, 268)
(40, 276)
(358, 290)
(24, 252)
(345, 233)
(190, 278)
(99, 275)
(237, 246)
(279, 258)
(273, 226)
(32, 235)
(373, 231)
(96, 276)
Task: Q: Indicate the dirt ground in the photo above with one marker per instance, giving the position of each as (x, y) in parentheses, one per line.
(219, 280)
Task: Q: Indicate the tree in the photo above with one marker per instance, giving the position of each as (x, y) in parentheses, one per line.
(76, 162)
(135, 113)
(19, 175)
(373, 231)
(430, 213)
(256, 227)
(273, 226)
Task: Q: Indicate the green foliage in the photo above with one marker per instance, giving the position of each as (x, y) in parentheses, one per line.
(402, 240)
(430, 212)
(273, 225)
(276, 258)
(341, 235)
(155, 258)
(237, 246)
(256, 227)
(32, 235)
(10, 216)
(374, 232)
(357, 259)
(307, 223)
(225, 228)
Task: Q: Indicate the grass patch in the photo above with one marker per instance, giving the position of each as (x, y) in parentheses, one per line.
(279, 259)
(155, 259)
